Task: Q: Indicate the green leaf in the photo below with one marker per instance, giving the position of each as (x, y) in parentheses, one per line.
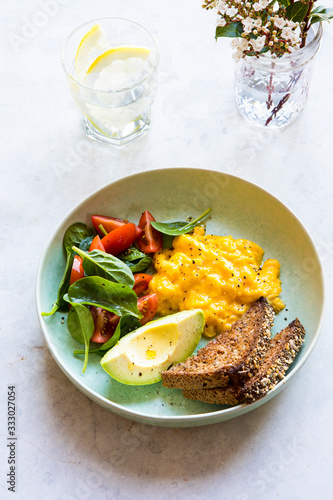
(131, 254)
(126, 325)
(167, 241)
(96, 291)
(105, 265)
(80, 324)
(140, 265)
(75, 233)
(85, 244)
(232, 30)
(297, 11)
(63, 287)
(178, 228)
(285, 3)
(321, 14)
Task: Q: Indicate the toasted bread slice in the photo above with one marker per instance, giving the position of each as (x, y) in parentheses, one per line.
(232, 356)
(216, 395)
(284, 347)
(281, 353)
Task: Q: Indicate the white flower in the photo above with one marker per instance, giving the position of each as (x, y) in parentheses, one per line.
(240, 44)
(256, 6)
(286, 33)
(258, 43)
(221, 22)
(263, 3)
(232, 11)
(257, 23)
(248, 24)
(237, 55)
(279, 22)
(291, 24)
(294, 38)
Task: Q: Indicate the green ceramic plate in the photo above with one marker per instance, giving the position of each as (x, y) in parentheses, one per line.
(238, 208)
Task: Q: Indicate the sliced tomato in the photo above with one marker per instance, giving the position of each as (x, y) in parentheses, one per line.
(77, 271)
(110, 223)
(105, 324)
(119, 239)
(150, 240)
(147, 306)
(96, 244)
(141, 282)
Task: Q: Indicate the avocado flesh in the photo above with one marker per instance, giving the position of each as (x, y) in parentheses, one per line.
(141, 356)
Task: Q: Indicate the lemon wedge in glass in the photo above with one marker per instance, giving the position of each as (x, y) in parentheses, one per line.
(118, 68)
(93, 44)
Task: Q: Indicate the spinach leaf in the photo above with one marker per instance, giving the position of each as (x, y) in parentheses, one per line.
(136, 260)
(127, 324)
(167, 241)
(75, 233)
(178, 228)
(131, 254)
(80, 324)
(105, 265)
(140, 265)
(63, 287)
(96, 291)
(85, 244)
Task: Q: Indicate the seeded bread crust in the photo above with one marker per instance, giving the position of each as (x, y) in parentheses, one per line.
(284, 347)
(281, 353)
(231, 357)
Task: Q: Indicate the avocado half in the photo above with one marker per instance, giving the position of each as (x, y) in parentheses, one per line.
(140, 357)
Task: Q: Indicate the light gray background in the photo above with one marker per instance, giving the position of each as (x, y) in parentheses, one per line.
(68, 447)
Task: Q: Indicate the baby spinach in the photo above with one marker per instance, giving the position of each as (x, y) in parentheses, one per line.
(131, 254)
(127, 324)
(105, 265)
(138, 266)
(85, 244)
(177, 228)
(63, 287)
(136, 260)
(96, 291)
(75, 233)
(80, 324)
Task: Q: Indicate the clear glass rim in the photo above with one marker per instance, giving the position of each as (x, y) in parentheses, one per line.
(100, 19)
(304, 54)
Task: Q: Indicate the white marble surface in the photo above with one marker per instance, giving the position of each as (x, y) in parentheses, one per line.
(68, 447)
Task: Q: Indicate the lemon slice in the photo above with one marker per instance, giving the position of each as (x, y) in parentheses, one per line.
(93, 44)
(118, 68)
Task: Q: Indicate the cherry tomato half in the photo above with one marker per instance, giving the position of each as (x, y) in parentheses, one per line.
(150, 240)
(119, 239)
(141, 282)
(96, 244)
(77, 271)
(105, 324)
(110, 223)
(147, 306)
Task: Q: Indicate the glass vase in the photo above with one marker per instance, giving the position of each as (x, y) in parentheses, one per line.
(272, 92)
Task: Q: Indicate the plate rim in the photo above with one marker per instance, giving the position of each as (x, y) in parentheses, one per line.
(198, 419)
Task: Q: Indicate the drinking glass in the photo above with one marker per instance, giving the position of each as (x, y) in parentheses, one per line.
(111, 67)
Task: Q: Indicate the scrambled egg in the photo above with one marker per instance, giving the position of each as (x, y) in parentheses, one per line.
(218, 274)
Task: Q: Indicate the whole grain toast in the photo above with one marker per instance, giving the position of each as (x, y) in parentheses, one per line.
(283, 348)
(231, 356)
